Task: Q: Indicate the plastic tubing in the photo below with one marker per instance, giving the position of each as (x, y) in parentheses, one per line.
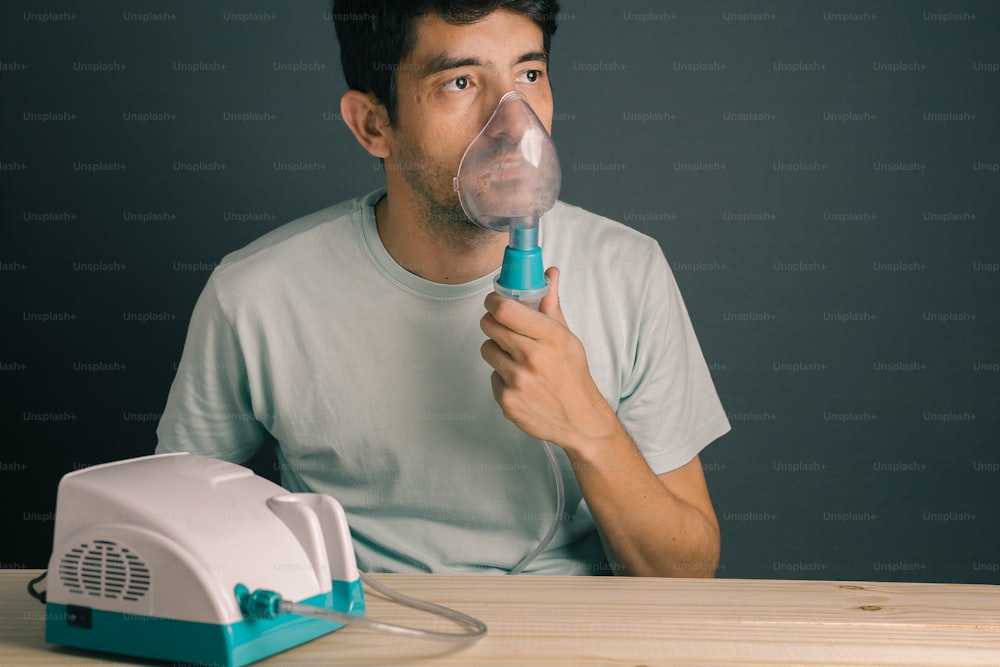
(478, 628)
(560, 507)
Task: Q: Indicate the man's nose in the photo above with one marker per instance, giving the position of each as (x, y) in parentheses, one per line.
(509, 117)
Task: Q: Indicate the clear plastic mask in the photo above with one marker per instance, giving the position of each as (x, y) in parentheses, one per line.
(509, 175)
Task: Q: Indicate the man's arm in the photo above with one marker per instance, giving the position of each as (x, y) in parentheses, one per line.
(651, 525)
(208, 408)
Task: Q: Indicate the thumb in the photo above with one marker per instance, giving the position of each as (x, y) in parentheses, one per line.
(550, 302)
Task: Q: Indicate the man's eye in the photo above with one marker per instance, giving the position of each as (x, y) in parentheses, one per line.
(459, 83)
(531, 76)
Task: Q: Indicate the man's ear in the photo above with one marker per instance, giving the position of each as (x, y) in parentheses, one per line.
(367, 120)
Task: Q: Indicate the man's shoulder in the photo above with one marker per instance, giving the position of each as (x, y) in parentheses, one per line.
(577, 227)
(280, 262)
(294, 235)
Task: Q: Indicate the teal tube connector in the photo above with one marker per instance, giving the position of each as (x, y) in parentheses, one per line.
(522, 269)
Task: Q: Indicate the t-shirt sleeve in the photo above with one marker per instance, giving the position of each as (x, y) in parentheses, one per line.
(209, 410)
(669, 404)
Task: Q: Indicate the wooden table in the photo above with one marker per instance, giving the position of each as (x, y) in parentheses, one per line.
(585, 621)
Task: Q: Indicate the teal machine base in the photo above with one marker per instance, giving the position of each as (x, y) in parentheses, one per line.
(233, 645)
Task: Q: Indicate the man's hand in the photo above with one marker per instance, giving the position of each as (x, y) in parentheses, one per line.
(541, 379)
(650, 525)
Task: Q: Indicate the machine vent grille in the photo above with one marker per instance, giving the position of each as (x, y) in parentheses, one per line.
(104, 569)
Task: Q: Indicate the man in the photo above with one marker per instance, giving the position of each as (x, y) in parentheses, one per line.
(353, 339)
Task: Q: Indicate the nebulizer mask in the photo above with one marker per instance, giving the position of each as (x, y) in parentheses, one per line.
(508, 177)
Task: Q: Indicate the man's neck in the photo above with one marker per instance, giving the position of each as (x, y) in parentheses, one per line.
(424, 250)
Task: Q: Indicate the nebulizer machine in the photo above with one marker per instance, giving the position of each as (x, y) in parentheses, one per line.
(195, 560)
(192, 559)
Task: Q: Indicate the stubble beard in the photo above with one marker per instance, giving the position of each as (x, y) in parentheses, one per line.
(438, 211)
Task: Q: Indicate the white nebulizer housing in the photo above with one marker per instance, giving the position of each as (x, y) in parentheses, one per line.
(508, 177)
(148, 554)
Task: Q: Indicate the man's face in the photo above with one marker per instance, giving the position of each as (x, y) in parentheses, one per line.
(447, 89)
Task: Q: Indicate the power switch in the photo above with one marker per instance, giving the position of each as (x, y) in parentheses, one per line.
(78, 617)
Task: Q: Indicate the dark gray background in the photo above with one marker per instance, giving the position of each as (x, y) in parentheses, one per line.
(823, 178)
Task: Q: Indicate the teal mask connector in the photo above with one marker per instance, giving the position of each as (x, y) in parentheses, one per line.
(522, 276)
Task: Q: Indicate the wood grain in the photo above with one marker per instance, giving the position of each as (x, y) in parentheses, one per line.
(583, 621)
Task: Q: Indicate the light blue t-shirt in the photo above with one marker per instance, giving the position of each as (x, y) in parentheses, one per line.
(370, 380)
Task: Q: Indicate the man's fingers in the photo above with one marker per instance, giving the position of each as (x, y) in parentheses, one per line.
(516, 316)
(550, 305)
(525, 320)
(507, 340)
(494, 355)
(498, 386)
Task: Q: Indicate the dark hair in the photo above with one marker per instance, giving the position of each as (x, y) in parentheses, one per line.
(376, 35)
